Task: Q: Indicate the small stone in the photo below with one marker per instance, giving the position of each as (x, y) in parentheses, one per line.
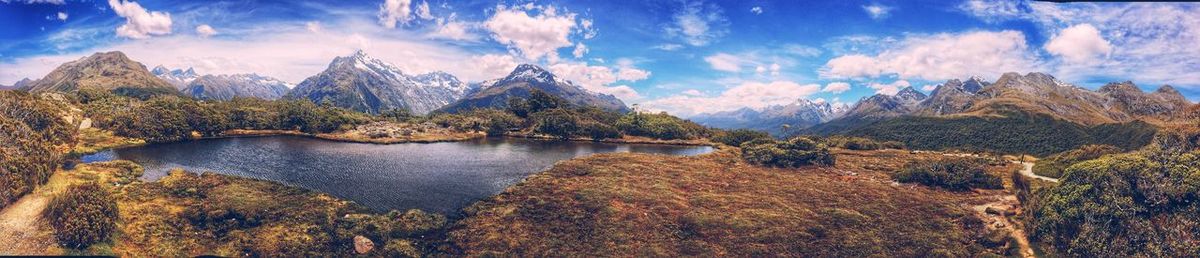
(363, 245)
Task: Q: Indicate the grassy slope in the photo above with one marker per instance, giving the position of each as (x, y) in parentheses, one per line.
(652, 205)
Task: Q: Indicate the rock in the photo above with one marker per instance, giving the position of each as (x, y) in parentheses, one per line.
(85, 124)
(363, 245)
(993, 210)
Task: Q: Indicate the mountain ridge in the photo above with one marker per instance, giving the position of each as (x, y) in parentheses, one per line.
(370, 85)
(522, 81)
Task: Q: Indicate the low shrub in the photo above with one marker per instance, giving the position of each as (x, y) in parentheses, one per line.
(738, 136)
(797, 152)
(860, 143)
(1054, 165)
(955, 174)
(83, 215)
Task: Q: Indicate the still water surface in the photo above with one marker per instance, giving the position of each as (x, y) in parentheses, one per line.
(438, 177)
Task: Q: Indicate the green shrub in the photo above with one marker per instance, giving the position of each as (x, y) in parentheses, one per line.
(859, 143)
(797, 152)
(557, 122)
(1126, 205)
(31, 129)
(82, 215)
(738, 136)
(660, 126)
(599, 131)
(1054, 165)
(955, 174)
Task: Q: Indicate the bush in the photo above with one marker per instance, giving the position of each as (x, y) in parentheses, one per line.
(660, 126)
(860, 143)
(738, 136)
(1139, 204)
(797, 152)
(30, 130)
(556, 122)
(955, 174)
(1054, 165)
(599, 131)
(82, 215)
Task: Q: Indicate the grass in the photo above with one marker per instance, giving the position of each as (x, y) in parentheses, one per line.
(717, 205)
(92, 140)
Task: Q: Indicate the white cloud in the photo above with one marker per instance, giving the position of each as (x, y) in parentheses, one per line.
(580, 49)
(313, 26)
(395, 11)
(54, 2)
(493, 65)
(535, 36)
(929, 87)
(423, 11)
(940, 57)
(756, 10)
(668, 47)
(698, 24)
(877, 11)
(692, 92)
(889, 88)
(801, 50)
(836, 87)
(601, 78)
(449, 28)
(139, 23)
(1150, 43)
(724, 62)
(62, 16)
(1081, 43)
(205, 31)
(755, 95)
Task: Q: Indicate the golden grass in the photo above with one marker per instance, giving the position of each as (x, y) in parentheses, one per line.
(92, 140)
(716, 205)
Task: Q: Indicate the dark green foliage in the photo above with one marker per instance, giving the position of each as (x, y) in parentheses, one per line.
(955, 174)
(557, 122)
(797, 152)
(82, 215)
(660, 126)
(30, 130)
(738, 136)
(1140, 204)
(859, 143)
(1054, 165)
(1016, 132)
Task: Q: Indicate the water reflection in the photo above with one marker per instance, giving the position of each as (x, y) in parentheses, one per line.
(439, 177)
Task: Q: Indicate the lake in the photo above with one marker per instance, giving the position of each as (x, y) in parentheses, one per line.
(436, 177)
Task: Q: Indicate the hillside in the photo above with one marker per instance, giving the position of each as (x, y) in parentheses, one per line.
(226, 87)
(527, 77)
(105, 71)
(177, 77)
(370, 85)
(801, 114)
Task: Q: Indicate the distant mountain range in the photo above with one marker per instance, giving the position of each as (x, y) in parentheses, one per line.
(226, 87)
(177, 77)
(369, 85)
(525, 78)
(777, 120)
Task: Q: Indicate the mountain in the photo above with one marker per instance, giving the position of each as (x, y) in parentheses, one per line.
(526, 77)
(952, 97)
(108, 71)
(801, 114)
(369, 85)
(178, 78)
(226, 87)
(19, 85)
(883, 105)
(1042, 93)
(1164, 102)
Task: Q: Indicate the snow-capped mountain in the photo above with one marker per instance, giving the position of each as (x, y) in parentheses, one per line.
(177, 77)
(226, 87)
(525, 78)
(775, 119)
(370, 85)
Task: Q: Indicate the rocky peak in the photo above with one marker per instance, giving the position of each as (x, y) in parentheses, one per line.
(974, 84)
(530, 73)
(910, 94)
(22, 83)
(1126, 87)
(1165, 90)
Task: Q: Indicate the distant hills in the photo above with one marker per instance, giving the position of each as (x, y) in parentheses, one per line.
(365, 84)
(226, 87)
(177, 77)
(519, 83)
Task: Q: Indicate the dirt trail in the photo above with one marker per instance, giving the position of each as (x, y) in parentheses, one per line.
(20, 227)
(1001, 218)
(1027, 170)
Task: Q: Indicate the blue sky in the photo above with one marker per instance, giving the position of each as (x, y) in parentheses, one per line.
(685, 57)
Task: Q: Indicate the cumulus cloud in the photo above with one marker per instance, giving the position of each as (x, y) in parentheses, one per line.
(54, 2)
(940, 57)
(313, 26)
(877, 11)
(698, 24)
(692, 92)
(395, 11)
(929, 87)
(1081, 43)
(139, 23)
(754, 95)
(836, 87)
(580, 49)
(423, 11)
(668, 47)
(1150, 43)
(205, 31)
(801, 50)
(62, 16)
(533, 35)
(601, 78)
(493, 65)
(449, 28)
(756, 10)
(889, 88)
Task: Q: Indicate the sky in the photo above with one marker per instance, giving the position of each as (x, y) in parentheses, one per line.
(683, 57)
